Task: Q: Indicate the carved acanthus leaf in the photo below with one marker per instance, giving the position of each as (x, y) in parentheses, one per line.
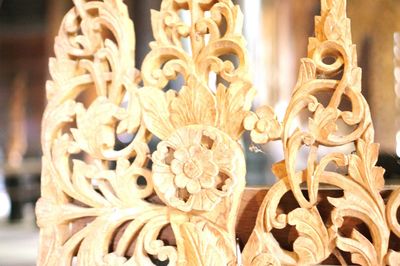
(102, 205)
(205, 244)
(195, 59)
(313, 244)
(331, 68)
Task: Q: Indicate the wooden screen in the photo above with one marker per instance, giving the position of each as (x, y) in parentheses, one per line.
(108, 201)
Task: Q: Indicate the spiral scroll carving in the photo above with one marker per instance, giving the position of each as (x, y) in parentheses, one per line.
(92, 75)
(126, 197)
(330, 69)
(197, 175)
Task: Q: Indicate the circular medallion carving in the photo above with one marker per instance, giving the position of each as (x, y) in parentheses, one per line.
(196, 167)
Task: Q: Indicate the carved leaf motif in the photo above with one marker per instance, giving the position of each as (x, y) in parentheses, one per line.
(391, 212)
(198, 167)
(262, 243)
(85, 176)
(393, 258)
(62, 73)
(207, 44)
(205, 245)
(194, 105)
(324, 122)
(95, 132)
(307, 72)
(363, 207)
(313, 244)
(362, 251)
(156, 113)
(164, 114)
(265, 259)
(355, 173)
(362, 166)
(54, 119)
(232, 104)
(253, 249)
(133, 116)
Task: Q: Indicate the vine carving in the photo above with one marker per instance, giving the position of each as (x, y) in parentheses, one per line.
(330, 69)
(179, 202)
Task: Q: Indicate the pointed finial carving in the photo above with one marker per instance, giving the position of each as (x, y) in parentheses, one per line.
(180, 202)
(331, 68)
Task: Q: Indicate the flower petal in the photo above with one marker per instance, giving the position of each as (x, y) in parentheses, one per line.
(211, 169)
(259, 138)
(250, 121)
(195, 151)
(181, 154)
(207, 201)
(177, 166)
(207, 181)
(195, 202)
(181, 181)
(207, 155)
(193, 186)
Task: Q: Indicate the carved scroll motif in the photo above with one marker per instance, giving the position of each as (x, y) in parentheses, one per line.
(198, 172)
(330, 69)
(198, 168)
(179, 203)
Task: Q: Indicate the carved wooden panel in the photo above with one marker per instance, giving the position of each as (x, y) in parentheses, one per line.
(331, 68)
(198, 169)
(180, 202)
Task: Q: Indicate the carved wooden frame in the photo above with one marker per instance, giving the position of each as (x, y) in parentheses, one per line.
(192, 191)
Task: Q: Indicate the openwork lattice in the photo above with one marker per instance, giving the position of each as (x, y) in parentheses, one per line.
(108, 202)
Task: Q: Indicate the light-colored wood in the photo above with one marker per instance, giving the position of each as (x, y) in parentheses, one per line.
(102, 203)
(250, 203)
(198, 168)
(331, 67)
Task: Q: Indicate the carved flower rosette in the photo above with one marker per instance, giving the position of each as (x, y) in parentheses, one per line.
(191, 184)
(198, 168)
(111, 202)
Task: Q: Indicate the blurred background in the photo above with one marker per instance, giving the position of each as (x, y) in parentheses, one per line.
(277, 32)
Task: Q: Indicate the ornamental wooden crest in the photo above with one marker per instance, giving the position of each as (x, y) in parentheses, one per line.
(180, 203)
